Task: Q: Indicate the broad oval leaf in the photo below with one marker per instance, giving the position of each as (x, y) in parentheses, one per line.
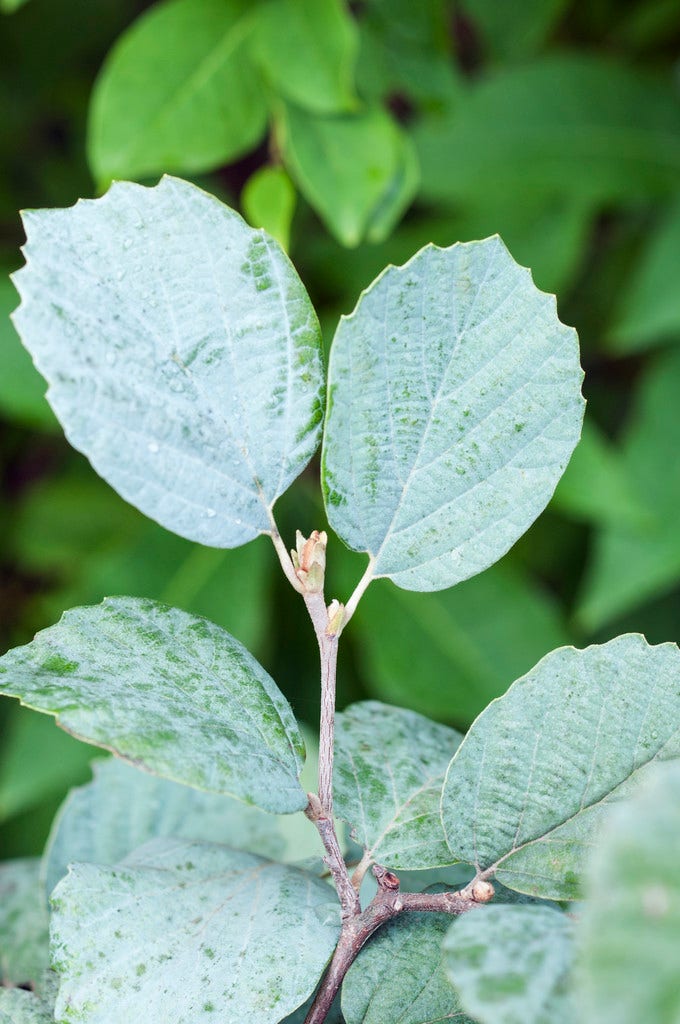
(628, 939)
(122, 808)
(534, 778)
(399, 976)
(512, 964)
(182, 933)
(23, 923)
(182, 353)
(454, 405)
(178, 92)
(168, 691)
(389, 770)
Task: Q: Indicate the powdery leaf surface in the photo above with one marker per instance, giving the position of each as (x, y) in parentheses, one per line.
(628, 939)
(390, 765)
(181, 350)
(169, 691)
(454, 406)
(512, 964)
(182, 933)
(537, 773)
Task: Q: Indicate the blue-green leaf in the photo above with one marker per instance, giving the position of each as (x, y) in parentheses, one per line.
(186, 933)
(168, 691)
(182, 353)
(454, 405)
(535, 777)
(512, 964)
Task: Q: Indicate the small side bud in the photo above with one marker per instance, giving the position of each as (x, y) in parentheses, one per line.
(336, 618)
(309, 560)
(482, 891)
(313, 810)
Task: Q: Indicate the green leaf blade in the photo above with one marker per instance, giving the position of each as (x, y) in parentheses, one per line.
(186, 933)
(168, 691)
(389, 770)
(178, 92)
(482, 383)
(307, 51)
(538, 771)
(512, 963)
(182, 352)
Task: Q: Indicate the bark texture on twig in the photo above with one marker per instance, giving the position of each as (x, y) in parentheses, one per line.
(388, 902)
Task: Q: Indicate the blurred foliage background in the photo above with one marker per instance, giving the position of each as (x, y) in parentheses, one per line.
(357, 133)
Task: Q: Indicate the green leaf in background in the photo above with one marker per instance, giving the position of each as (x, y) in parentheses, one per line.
(20, 1007)
(23, 923)
(171, 692)
(356, 170)
(537, 773)
(454, 406)
(405, 51)
(389, 771)
(22, 389)
(206, 932)
(38, 761)
(597, 484)
(9, 6)
(90, 543)
(449, 653)
(182, 352)
(567, 124)
(512, 963)
(631, 563)
(399, 976)
(628, 938)
(122, 808)
(648, 310)
(268, 201)
(512, 32)
(178, 92)
(307, 50)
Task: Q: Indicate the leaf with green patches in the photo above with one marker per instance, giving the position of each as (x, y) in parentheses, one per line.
(182, 352)
(122, 808)
(20, 1007)
(178, 92)
(183, 933)
(389, 770)
(538, 771)
(358, 171)
(168, 691)
(454, 406)
(307, 50)
(628, 938)
(399, 976)
(512, 964)
(23, 923)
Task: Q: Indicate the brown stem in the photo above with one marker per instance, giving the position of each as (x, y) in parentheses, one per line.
(387, 903)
